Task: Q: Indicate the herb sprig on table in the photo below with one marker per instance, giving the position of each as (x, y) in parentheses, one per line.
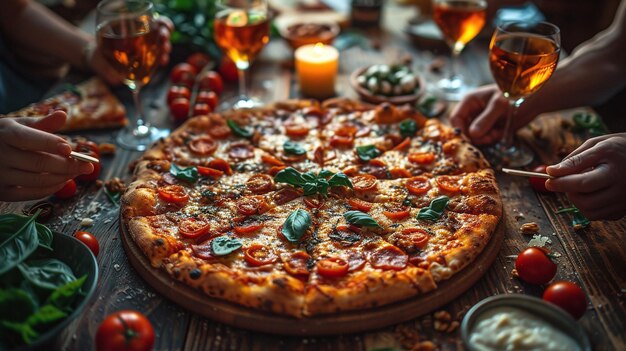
(35, 293)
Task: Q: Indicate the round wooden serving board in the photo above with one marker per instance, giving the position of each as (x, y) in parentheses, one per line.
(341, 323)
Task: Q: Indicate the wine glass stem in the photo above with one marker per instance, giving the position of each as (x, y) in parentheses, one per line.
(454, 61)
(507, 137)
(138, 107)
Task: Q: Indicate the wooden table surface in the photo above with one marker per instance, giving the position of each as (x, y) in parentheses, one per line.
(595, 257)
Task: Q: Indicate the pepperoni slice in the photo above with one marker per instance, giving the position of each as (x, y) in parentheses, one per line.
(355, 260)
(418, 236)
(222, 165)
(403, 145)
(173, 194)
(396, 213)
(333, 267)
(341, 141)
(297, 130)
(418, 185)
(247, 228)
(346, 131)
(259, 255)
(248, 206)
(221, 131)
(192, 228)
(296, 264)
(313, 202)
(241, 151)
(397, 172)
(421, 158)
(377, 168)
(271, 160)
(364, 182)
(260, 183)
(388, 257)
(318, 156)
(285, 195)
(359, 204)
(202, 145)
(210, 172)
(449, 184)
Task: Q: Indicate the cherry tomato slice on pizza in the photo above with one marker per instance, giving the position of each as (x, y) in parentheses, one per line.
(248, 206)
(222, 165)
(260, 183)
(364, 182)
(360, 205)
(388, 257)
(173, 194)
(421, 158)
(396, 212)
(191, 228)
(419, 237)
(333, 267)
(418, 185)
(245, 229)
(449, 184)
(210, 172)
(220, 131)
(259, 255)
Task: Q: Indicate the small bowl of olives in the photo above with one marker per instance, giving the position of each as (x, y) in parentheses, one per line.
(395, 84)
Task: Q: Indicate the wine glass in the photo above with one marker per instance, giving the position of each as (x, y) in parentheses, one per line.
(460, 21)
(241, 31)
(129, 40)
(522, 57)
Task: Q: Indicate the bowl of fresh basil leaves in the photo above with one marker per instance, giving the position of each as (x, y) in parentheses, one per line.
(46, 280)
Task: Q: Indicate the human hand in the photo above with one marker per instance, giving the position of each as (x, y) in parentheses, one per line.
(97, 62)
(35, 163)
(482, 113)
(593, 177)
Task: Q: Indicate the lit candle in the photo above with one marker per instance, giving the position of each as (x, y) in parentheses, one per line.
(316, 66)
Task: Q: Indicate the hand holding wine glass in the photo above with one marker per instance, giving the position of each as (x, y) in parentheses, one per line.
(129, 39)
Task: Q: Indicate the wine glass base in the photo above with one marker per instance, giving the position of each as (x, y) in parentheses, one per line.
(240, 102)
(452, 89)
(500, 155)
(139, 138)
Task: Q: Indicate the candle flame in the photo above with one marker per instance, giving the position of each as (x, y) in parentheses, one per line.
(318, 48)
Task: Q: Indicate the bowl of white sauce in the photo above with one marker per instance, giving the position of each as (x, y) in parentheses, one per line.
(520, 322)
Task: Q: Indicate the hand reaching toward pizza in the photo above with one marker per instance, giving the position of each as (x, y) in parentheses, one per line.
(35, 162)
(95, 59)
(591, 176)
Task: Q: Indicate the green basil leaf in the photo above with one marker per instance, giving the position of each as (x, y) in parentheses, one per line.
(290, 176)
(18, 240)
(292, 148)
(325, 173)
(340, 179)
(224, 245)
(48, 273)
(434, 211)
(44, 315)
(26, 332)
(296, 225)
(309, 177)
(319, 185)
(239, 131)
(16, 304)
(427, 106)
(189, 174)
(63, 297)
(45, 236)
(73, 89)
(113, 197)
(408, 128)
(360, 218)
(368, 152)
(586, 120)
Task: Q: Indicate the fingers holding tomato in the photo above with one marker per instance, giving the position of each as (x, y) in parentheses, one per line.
(539, 184)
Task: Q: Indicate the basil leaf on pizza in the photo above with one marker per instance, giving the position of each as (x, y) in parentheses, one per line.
(339, 179)
(325, 173)
(368, 152)
(360, 219)
(292, 148)
(223, 245)
(434, 211)
(189, 174)
(239, 131)
(290, 176)
(408, 128)
(296, 225)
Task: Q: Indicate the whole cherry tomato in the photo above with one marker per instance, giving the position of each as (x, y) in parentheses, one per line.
(200, 109)
(180, 109)
(539, 184)
(534, 266)
(67, 191)
(97, 168)
(177, 91)
(86, 146)
(198, 60)
(183, 73)
(227, 69)
(568, 296)
(125, 330)
(89, 240)
(212, 81)
(207, 97)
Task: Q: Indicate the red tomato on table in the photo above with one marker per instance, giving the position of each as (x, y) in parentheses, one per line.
(534, 266)
(125, 330)
(198, 60)
(183, 73)
(67, 191)
(211, 81)
(180, 109)
(89, 240)
(568, 296)
(228, 69)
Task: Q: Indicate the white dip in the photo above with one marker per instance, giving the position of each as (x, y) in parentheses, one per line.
(508, 329)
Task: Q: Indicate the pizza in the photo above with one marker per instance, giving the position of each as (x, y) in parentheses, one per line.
(89, 105)
(303, 209)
